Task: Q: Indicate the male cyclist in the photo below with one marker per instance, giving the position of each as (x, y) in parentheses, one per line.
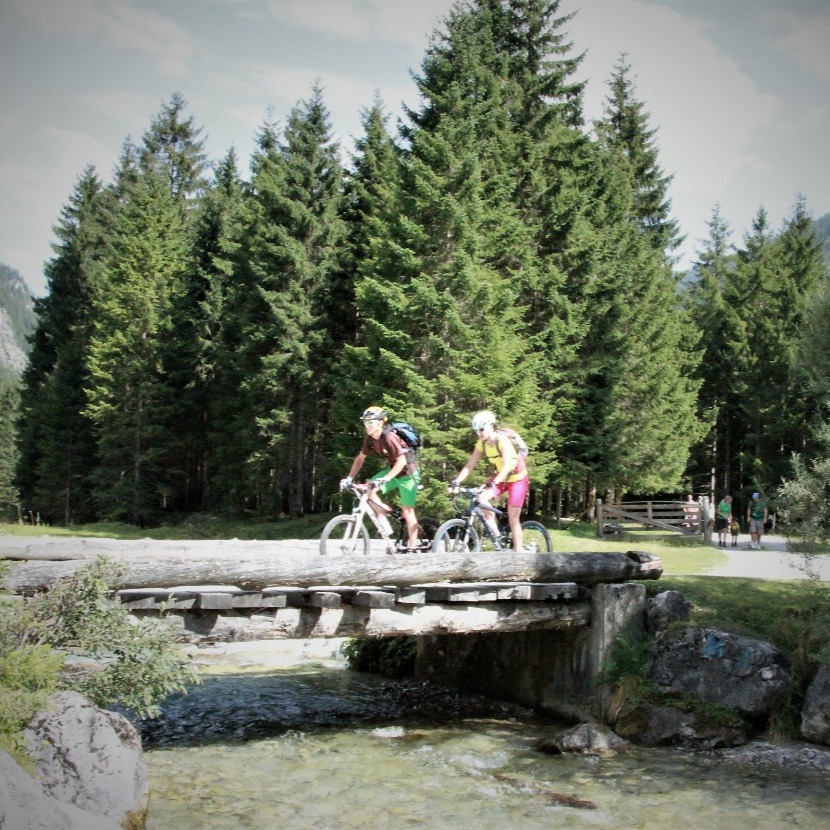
(511, 473)
(402, 472)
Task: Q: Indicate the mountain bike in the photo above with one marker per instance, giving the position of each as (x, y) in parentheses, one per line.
(348, 533)
(469, 532)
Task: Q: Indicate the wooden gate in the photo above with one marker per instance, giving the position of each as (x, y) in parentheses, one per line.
(684, 518)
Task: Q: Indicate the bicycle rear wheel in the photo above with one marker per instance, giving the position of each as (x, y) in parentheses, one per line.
(345, 535)
(456, 536)
(535, 538)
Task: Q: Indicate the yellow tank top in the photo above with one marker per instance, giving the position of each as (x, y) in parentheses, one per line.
(494, 456)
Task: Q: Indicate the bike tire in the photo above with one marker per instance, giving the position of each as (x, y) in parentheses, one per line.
(427, 528)
(344, 535)
(535, 537)
(456, 536)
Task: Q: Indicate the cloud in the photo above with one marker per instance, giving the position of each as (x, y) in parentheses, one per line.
(131, 108)
(804, 38)
(33, 193)
(396, 21)
(116, 24)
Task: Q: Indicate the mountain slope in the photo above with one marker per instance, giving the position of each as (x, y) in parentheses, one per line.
(17, 321)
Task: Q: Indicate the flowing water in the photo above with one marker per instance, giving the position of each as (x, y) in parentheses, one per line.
(317, 746)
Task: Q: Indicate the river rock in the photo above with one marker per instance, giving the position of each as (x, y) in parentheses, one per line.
(585, 739)
(91, 758)
(815, 715)
(740, 673)
(25, 805)
(666, 608)
(650, 724)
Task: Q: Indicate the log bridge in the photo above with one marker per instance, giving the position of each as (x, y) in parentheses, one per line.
(531, 628)
(213, 591)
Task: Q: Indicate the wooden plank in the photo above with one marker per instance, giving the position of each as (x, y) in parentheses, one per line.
(374, 599)
(324, 599)
(414, 595)
(158, 598)
(473, 592)
(535, 592)
(214, 601)
(292, 597)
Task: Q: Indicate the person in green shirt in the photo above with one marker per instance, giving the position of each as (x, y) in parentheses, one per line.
(756, 514)
(723, 519)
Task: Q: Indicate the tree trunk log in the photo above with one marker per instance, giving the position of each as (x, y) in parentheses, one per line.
(253, 565)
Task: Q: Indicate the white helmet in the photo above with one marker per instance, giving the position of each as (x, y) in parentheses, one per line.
(483, 419)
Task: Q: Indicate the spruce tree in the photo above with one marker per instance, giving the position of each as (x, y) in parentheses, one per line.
(10, 509)
(293, 246)
(625, 127)
(130, 399)
(714, 463)
(57, 450)
(213, 386)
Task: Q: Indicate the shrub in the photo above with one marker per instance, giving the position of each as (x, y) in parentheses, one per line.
(390, 656)
(138, 662)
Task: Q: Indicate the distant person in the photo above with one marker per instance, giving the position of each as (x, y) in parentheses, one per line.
(757, 514)
(723, 519)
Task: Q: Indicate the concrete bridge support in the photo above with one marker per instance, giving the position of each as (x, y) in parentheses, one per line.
(549, 671)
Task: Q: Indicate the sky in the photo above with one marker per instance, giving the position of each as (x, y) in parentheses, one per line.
(738, 92)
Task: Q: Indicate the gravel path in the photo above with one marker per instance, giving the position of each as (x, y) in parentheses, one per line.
(773, 561)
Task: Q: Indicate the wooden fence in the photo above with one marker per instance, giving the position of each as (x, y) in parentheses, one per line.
(684, 518)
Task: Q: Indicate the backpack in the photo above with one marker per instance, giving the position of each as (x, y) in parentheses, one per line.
(406, 432)
(520, 444)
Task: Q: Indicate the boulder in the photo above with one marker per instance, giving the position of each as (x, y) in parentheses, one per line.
(739, 673)
(585, 739)
(91, 758)
(651, 724)
(815, 714)
(666, 608)
(25, 805)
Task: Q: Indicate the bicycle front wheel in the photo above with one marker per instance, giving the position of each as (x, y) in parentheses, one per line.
(345, 535)
(535, 538)
(456, 536)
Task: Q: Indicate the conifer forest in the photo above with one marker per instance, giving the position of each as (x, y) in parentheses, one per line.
(210, 338)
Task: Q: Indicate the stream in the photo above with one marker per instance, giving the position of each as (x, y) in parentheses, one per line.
(310, 744)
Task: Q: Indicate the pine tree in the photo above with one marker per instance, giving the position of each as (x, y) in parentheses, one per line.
(624, 128)
(9, 496)
(171, 148)
(130, 399)
(213, 387)
(57, 450)
(714, 464)
(294, 239)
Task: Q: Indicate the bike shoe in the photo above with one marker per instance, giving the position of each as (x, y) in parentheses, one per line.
(390, 549)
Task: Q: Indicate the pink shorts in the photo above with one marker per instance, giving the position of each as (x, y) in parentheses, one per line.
(516, 491)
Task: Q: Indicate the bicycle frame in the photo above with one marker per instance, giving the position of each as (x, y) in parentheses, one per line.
(347, 532)
(475, 510)
(462, 534)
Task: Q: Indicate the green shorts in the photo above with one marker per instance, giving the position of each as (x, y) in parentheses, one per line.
(407, 486)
